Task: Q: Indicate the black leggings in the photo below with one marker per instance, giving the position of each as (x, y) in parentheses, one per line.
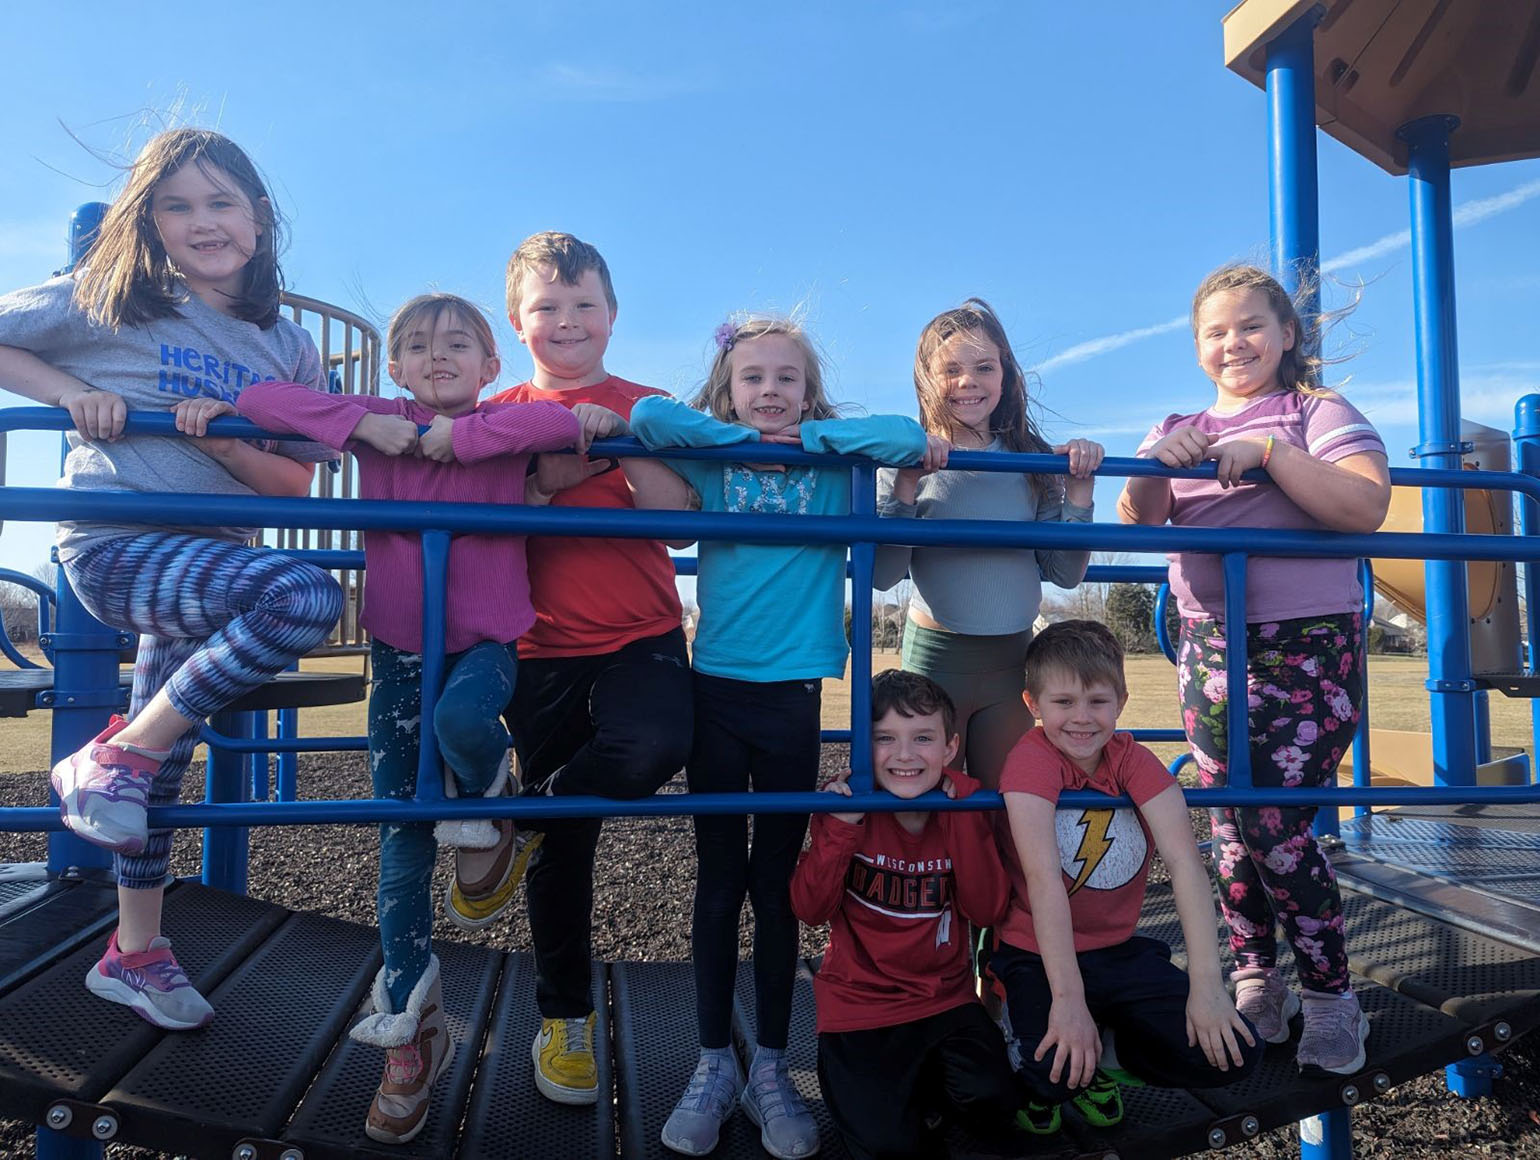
(764, 736)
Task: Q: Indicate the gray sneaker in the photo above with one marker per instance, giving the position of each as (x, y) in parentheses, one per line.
(1264, 998)
(1335, 1030)
(787, 1129)
(152, 983)
(696, 1121)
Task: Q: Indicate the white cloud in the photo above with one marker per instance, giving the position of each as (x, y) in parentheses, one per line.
(1086, 350)
(578, 82)
(1468, 214)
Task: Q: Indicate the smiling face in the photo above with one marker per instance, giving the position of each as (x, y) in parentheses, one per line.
(968, 375)
(769, 382)
(209, 229)
(910, 753)
(442, 362)
(1078, 719)
(1240, 343)
(567, 328)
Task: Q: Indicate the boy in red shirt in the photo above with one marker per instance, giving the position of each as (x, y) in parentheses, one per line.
(1067, 954)
(603, 703)
(897, 1011)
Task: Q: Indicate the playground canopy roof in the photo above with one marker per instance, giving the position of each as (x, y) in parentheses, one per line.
(1382, 63)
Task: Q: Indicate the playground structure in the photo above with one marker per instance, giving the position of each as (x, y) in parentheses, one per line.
(1448, 972)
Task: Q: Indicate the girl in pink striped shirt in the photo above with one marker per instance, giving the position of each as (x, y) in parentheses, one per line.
(438, 445)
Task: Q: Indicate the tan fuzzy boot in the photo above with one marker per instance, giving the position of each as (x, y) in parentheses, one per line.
(417, 1048)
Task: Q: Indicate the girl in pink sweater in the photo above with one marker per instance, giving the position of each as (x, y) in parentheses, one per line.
(438, 445)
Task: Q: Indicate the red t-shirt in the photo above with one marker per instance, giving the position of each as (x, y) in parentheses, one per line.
(898, 905)
(1105, 853)
(592, 595)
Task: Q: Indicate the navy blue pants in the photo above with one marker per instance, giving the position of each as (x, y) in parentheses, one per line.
(1134, 990)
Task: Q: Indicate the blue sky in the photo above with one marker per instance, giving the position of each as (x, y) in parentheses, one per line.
(870, 163)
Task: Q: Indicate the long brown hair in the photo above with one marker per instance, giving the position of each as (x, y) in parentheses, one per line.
(1301, 368)
(127, 279)
(1011, 419)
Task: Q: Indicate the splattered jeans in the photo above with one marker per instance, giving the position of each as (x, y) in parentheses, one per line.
(1305, 692)
(472, 740)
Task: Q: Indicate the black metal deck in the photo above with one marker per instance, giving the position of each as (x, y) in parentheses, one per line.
(24, 690)
(276, 1072)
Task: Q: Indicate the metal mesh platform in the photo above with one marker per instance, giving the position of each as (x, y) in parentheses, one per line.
(275, 1070)
(1482, 847)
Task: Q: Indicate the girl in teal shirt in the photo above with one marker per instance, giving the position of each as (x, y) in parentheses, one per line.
(772, 625)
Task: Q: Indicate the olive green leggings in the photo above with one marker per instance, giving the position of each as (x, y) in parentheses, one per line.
(985, 676)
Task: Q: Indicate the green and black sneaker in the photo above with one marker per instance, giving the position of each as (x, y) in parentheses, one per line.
(1100, 1102)
(1040, 1119)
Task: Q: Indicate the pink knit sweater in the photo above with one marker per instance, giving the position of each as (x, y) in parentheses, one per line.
(488, 578)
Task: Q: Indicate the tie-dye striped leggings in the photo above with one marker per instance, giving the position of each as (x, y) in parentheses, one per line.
(215, 620)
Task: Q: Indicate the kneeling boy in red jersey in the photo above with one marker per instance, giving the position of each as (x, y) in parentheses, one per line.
(897, 1012)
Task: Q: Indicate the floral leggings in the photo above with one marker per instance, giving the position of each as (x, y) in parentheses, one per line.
(1305, 692)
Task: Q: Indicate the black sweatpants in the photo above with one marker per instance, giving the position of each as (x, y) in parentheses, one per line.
(1133, 989)
(881, 1084)
(615, 724)
(761, 736)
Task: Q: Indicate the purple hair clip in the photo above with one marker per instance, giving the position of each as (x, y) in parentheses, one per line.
(724, 335)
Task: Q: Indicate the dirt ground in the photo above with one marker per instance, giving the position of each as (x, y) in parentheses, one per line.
(331, 870)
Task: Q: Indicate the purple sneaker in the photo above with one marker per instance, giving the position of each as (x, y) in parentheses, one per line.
(152, 983)
(104, 791)
(1263, 997)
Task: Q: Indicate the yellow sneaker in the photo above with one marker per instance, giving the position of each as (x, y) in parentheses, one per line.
(564, 1061)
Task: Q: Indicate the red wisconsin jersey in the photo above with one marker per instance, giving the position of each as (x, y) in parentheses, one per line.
(899, 905)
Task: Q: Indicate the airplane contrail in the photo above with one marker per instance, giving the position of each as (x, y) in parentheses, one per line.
(1468, 214)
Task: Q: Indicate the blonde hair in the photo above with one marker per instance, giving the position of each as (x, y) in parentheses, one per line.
(427, 311)
(569, 259)
(127, 277)
(716, 393)
(1301, 368)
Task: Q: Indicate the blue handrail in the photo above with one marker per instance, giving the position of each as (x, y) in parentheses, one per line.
(436, 522)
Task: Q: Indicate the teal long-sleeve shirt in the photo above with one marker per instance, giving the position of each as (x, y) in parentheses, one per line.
(772, 612)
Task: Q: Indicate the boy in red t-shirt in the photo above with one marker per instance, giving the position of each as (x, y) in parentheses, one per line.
(897, 1011)
(1066, 954)
(602, 703)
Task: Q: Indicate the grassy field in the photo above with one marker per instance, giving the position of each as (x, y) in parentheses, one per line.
(1396, 696)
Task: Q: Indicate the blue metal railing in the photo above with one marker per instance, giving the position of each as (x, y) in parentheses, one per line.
(436, 522)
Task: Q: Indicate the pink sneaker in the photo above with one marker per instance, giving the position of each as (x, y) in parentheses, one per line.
(152, 983)
(104, 791)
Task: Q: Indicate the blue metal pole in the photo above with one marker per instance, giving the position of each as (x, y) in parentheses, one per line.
(226, 780)
(1293, 197)
(1362, 770)
(85, 224)
(1438, 406)
(863, 559)
(435, 584)
(1237, 715)
(287, 787)
(1471, 1078)
(1328, 1136)
(1526, 447)
(85, 693)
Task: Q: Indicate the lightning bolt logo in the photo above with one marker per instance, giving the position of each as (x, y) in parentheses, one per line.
(1094, 844)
